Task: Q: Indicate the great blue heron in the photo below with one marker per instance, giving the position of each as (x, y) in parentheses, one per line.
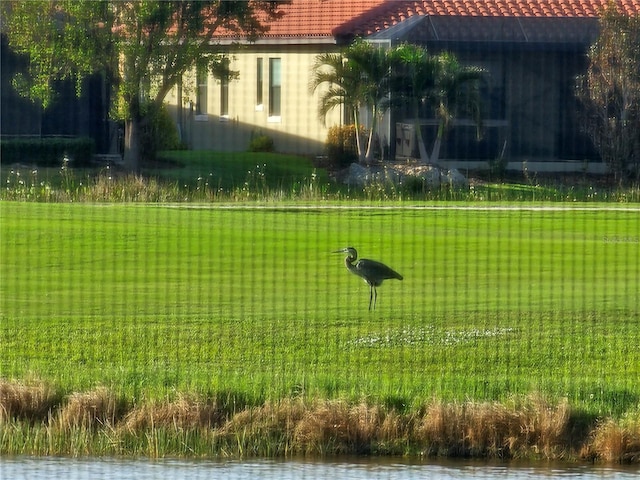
(372, 272)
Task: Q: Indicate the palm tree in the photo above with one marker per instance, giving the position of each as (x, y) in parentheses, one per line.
(414, 80)
(439, 83)
(374, 65)
(343, 87)
(457, 94)
(358, 80)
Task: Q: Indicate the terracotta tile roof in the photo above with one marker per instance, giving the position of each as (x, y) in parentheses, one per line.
(392, 12)
(336, 18)
(318, 17)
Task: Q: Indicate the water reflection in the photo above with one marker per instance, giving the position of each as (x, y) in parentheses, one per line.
(50, 468)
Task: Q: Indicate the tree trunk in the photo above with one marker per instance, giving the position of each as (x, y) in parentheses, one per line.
(424, 156)
(368, 157)
(435, 153)
(132, 144)
(356, 123)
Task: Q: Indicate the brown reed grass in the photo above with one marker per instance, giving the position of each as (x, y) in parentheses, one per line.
(319, 427)
(187, 412)
(613, 442)
(337, 427)
(91, 409)
(31, 401)
(495, 430)
(281, 416)
(98, 422)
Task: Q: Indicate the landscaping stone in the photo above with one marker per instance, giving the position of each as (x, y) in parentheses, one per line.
(397, 174)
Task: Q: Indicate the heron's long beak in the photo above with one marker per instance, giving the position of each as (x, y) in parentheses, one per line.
(340, 251)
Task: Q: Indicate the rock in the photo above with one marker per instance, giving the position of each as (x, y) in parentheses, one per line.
(432, 176)
(356, 175)
(360, 175)
(455, 179)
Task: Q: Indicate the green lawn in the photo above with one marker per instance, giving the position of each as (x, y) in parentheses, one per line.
(231, 170)
(152, 300)
(177, 176)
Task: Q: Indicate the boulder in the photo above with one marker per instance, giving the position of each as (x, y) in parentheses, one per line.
(456, 179)
(397, 174)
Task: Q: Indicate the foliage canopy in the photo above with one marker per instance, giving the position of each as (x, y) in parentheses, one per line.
(142, 47)
(610, 92)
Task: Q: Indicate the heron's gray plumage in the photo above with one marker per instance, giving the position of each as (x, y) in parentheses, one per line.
(371, 271)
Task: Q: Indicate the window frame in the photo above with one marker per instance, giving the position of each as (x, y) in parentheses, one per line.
(275, 90)
(202, 94)
(224, 98)
(259, 84)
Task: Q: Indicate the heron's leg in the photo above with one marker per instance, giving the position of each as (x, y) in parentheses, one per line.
(370, 296)
(375, 297)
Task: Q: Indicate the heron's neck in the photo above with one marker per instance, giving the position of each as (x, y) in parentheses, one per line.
(349, 263)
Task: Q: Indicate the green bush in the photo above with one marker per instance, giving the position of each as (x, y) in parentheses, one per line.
(47, 152)
(341, 147)
(498, 167)
(159, 132)
(261, 143)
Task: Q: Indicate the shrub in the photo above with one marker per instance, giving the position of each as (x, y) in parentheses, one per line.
(498, 167)
(261, 143)
(159, 132)
(341, 147)
(47, 152)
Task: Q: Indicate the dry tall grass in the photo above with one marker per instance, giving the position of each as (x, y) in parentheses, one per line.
(496, 430)
(187, 412)
(338, 427)
(529, 427)
(91, 409)
(613, 442)
(30, 402)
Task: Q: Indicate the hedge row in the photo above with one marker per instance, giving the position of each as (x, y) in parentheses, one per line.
(47, 152)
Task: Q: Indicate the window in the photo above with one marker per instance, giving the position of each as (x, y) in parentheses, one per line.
(275, 84)
(259, 80)
(201, 91)
(224, 97)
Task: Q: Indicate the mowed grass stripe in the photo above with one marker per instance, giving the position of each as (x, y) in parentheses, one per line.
(154, 301)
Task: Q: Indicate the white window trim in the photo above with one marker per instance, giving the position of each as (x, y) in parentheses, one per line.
(274, 118)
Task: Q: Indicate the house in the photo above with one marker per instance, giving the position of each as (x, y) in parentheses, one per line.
(271, 95)
(531, 49)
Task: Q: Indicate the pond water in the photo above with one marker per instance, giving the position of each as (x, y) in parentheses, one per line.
(52, 468)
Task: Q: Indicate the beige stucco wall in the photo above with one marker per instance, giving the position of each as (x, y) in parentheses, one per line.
(298, 129)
